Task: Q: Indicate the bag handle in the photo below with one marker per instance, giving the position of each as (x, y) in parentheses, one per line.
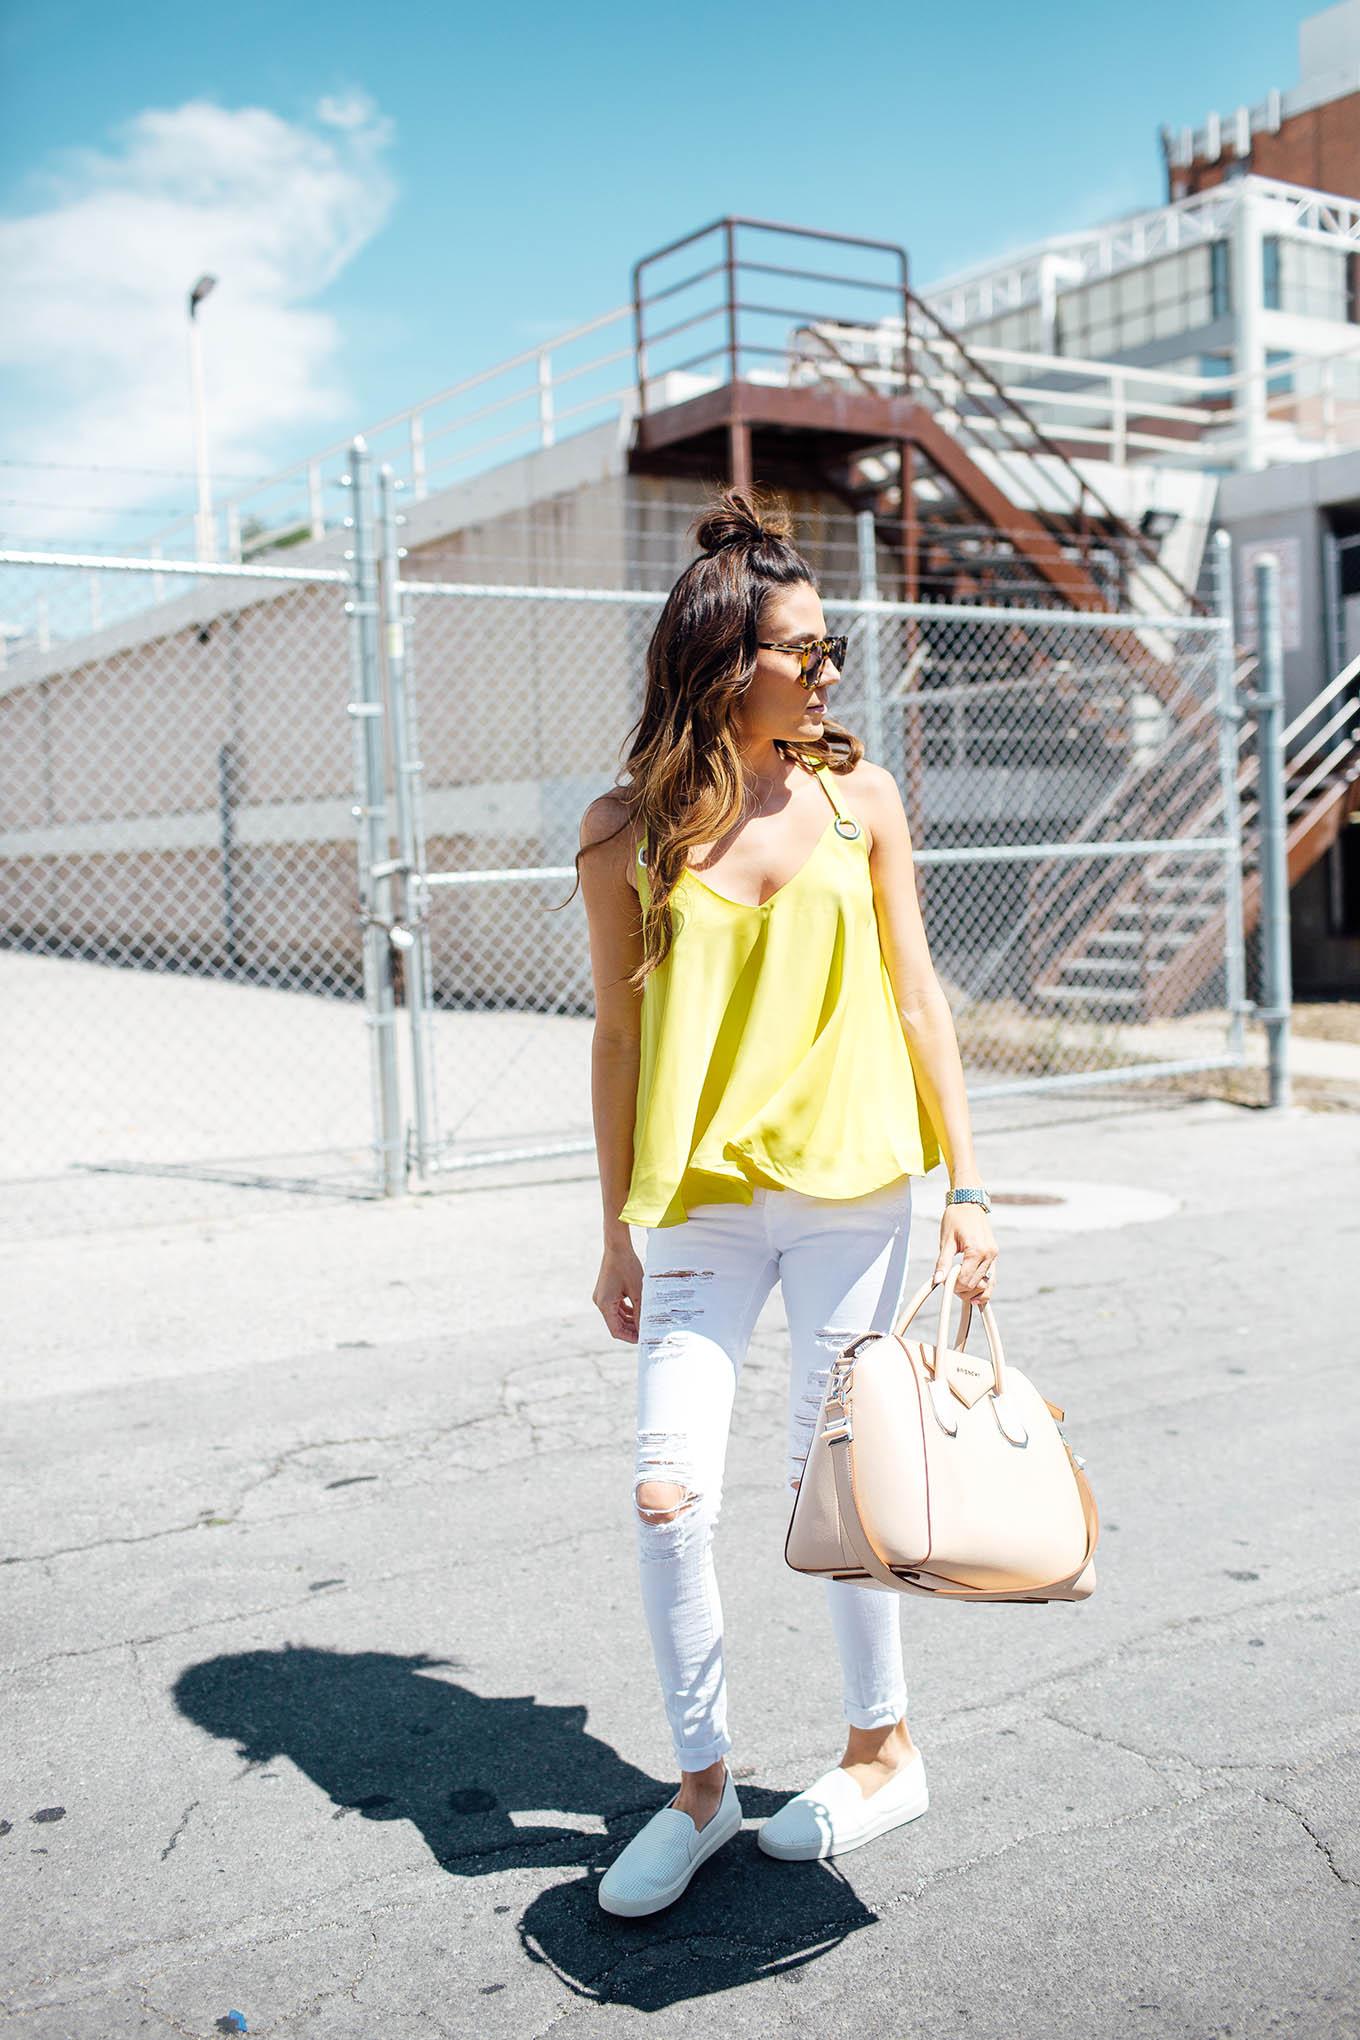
(989, 1324)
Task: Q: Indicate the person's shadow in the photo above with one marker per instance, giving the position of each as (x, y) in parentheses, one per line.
(492, 1784)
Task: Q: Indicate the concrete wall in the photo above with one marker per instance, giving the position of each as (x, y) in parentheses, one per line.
(111, 811)
(185, 801)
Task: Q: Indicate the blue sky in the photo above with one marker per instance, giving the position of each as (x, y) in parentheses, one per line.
(397, 196)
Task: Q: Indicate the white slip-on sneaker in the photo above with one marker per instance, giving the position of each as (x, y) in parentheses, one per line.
(658, 1863)
(833, 1815)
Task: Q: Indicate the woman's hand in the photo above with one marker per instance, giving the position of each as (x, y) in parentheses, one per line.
(618, 1291)
(965, 1230)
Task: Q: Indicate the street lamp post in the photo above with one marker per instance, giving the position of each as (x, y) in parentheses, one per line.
(205, 546)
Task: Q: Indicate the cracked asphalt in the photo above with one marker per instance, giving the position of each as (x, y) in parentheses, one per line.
(327, 1694)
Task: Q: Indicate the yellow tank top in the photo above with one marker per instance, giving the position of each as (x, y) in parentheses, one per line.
(772, 1049)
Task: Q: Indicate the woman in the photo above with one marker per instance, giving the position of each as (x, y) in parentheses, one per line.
(773, 1061)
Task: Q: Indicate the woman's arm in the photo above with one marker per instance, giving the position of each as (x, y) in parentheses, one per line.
(927, 1023)
(615, 922)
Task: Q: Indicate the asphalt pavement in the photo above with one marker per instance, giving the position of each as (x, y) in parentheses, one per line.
(327, 1692)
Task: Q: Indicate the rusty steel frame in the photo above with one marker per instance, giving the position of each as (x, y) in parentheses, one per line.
(730, 349)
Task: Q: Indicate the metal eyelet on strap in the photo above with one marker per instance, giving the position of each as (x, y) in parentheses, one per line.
(847, 826)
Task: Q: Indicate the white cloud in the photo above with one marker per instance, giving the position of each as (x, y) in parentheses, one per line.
(96, 282)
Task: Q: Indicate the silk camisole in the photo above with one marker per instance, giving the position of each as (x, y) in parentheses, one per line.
(772, 1052)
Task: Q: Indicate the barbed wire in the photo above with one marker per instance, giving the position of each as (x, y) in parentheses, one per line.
(83, 509)
(89, 467)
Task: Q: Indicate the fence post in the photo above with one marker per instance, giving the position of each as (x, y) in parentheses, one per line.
(370, 784)
(226, 834)
(417, 456)
(1229, 742)
(1119, 420)
(546, 430)
(1276, 976)
(873, 677)
(413, 936)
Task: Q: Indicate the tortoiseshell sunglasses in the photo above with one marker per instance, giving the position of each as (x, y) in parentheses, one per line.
(811, 658)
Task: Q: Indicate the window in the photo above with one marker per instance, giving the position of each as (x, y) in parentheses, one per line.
(1313, 280)
(1021, 331)
(1156, 301)
(1220, 291)
(1307, 278)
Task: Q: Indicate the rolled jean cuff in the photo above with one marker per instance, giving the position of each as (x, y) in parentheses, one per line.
(883, 1716)
(700, 1759)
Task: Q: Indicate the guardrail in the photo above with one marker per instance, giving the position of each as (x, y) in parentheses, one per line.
(1107, 411)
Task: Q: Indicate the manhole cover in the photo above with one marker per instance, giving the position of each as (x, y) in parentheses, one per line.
(1024, 1197)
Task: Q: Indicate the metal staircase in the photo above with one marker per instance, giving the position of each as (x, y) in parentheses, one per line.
(1117, 945)
(993, 470)
(805, 359)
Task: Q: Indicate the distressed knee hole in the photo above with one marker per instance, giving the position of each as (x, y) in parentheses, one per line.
(663, 1501)
(671, 1509)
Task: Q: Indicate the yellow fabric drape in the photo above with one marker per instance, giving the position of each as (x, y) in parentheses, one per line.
(772, 1049)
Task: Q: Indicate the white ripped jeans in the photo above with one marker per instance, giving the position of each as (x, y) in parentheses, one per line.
(842, 1266)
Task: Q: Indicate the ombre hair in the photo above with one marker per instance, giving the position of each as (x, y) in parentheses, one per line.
(685, 780)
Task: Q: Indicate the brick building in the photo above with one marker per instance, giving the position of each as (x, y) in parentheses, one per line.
(1307, 134)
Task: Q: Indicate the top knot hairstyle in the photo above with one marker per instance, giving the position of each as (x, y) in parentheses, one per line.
(738, 519)
(686, 785)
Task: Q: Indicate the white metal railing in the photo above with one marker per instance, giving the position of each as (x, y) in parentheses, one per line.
(988, 290)
(1332, 751)
(1345, 678)
(519, 405)
(1111, 407)
(586, 376)
(1313, 399)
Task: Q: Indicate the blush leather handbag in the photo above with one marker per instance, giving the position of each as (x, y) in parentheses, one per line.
(934, 1472)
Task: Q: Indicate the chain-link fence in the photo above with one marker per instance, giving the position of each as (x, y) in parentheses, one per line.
(1069, 780)
(179, 944)
(258, 916)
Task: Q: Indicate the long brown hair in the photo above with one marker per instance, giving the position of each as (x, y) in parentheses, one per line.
(685, 781)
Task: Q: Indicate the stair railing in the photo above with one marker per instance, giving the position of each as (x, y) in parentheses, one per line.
(1017, 418)
(1341, 731)
(1330, 755)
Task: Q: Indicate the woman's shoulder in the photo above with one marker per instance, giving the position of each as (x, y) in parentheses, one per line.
(870, 791)
(865, 777)
(608, 824)
(604, 817)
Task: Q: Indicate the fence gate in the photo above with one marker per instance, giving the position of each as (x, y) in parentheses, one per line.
(198, 975)
(184, 943)
(1071, 782)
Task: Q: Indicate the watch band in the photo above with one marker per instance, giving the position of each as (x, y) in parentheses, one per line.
(969, 1196)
